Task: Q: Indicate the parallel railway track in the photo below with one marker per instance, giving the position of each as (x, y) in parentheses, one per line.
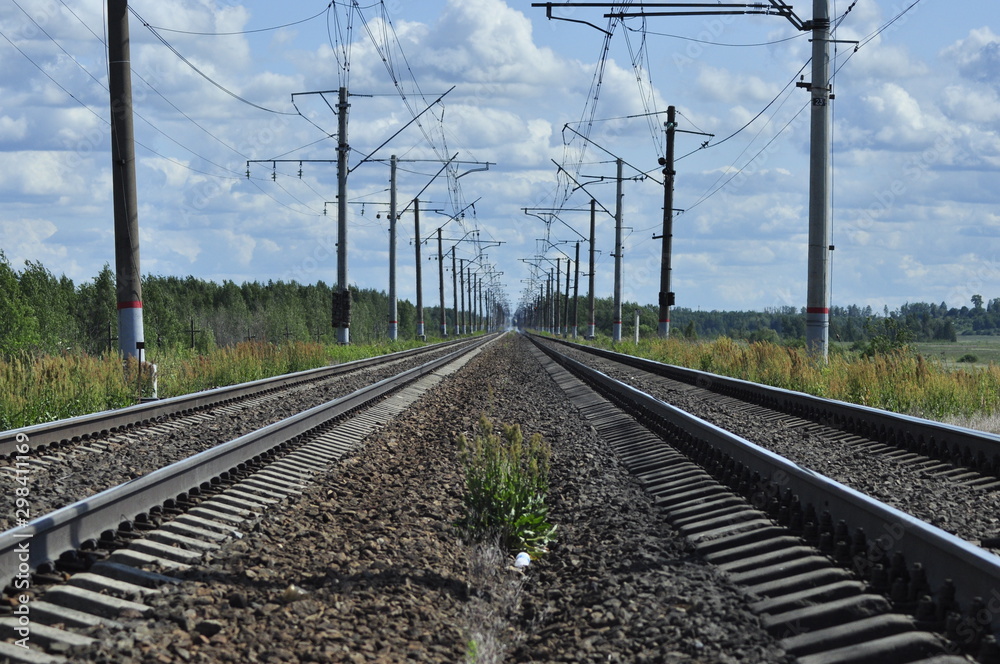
(167, 518)
(72, 458)
(840, 576)
(833, 574)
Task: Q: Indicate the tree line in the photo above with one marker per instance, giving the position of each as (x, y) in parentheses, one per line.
(43, 313)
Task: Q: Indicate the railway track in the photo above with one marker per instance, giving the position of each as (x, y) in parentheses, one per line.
(52, 436)
(833, 575)
(839, 577)
(170, 517)
(72, 458)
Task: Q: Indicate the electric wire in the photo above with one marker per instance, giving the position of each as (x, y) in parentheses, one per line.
(198, 71)
(242, 32)
(713, 43)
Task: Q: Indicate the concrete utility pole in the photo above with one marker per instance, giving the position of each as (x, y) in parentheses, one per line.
(591, 326)
(444, 320)
(343, 151)
(454, 292)
(420, 290)
(393, 215)
(576, 292)
(565, 331)
(460, 313)
(616, 329)
(666, 295)
(818, 285)
(128, 285)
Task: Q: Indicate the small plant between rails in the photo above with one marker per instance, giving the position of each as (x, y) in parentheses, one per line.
(506, 482)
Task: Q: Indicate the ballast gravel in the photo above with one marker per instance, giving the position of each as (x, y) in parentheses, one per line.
(367, 565)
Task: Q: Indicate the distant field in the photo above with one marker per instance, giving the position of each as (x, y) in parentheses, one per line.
(986, 350)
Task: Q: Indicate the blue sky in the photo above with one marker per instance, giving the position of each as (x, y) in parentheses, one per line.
(916, 143)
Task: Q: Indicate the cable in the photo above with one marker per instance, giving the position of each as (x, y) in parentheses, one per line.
(751, 160)
(200, 72)
(705, 146)
(241, 32)
(57, 83)
(711, 43)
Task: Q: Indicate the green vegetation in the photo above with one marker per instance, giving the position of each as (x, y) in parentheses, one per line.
(506, 482)
(898, 379)
(40, 313)
(923, 322)
(51, 387)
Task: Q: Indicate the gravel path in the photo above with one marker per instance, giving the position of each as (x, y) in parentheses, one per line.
(381, 575)
(967, 512)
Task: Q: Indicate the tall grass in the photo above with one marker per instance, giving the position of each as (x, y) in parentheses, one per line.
(42, 389)
(34, 390)
(901, 382)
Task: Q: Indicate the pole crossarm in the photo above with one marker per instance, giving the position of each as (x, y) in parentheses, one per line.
(611, 154)
(771, 8)
(583, 187)
(554, 212)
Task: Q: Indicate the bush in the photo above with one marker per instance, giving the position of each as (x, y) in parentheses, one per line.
(968, 357)
(506, 483)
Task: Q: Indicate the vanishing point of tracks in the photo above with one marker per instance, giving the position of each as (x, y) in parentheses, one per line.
(834, 575)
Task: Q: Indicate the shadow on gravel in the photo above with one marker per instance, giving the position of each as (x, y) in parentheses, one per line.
(334, 582)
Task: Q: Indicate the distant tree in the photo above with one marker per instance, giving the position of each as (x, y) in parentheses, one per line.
(977, 301)
(96, 312)
(51, 300)
(18, 325)
(887, 336)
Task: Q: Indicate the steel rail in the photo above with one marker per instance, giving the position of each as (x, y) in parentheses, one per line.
(101, 423)
(974, 449)
(945, 558)
(45, 539)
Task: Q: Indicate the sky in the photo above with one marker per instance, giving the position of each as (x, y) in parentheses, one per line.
(915, 144)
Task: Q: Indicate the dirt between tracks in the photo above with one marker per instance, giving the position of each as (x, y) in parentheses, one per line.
(367, 565)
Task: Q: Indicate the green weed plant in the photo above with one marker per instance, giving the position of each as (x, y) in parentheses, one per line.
(506, 482)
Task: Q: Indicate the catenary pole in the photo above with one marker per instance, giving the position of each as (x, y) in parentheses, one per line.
(818, 286)
(444, 319)
(454, 293)
(420, 290)
(616, 330)
(343, 151)
(565, 330)
(460, 313)
(591, 325)
(666, 297)
(576, 292)
(393, 306)
(128, 286)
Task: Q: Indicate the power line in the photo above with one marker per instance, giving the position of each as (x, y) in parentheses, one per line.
(712, 43)
(200, 72)
(242, 32)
